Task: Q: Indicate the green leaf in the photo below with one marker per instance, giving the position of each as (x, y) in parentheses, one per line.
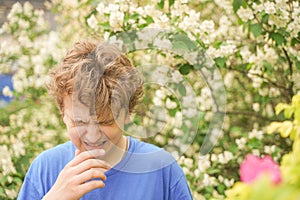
(220, 61)
(2, 192)
(278, 38)
(297, 64)
(213, 171)
(237, 4)
(265, 18)
(181, 89)
(149, 19)
(221, 188)
(171, 2)
(183, 42)
(268, 68)
(105, 26)
(185, 69)
(294, 41)
(134, 16)
(161, 4)
(256, 29)
(172, 112)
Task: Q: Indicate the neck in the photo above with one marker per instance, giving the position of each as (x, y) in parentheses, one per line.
(117, 153)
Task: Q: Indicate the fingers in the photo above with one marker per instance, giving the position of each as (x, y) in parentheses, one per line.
(89, 175)
(91, 163)
(81, 175)
(91, 185)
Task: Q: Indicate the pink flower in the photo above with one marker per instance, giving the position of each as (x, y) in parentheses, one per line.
(254, 166)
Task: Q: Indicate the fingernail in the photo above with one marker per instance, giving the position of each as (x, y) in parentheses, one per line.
(102, 152)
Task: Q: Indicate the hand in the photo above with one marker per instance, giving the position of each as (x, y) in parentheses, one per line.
(75, 179)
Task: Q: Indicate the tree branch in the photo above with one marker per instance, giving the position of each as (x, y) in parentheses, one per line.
(290, 63)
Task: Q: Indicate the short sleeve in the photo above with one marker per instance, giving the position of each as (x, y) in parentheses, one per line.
(28, 191)
(181, 190)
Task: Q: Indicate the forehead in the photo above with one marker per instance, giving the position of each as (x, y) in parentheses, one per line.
(76, 111)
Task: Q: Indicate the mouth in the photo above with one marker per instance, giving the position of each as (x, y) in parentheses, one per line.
(95, 145)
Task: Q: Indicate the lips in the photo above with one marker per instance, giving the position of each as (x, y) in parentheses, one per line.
(95, 145)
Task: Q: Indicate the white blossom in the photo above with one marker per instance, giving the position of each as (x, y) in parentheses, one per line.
(100, 7)
(7, 92)
(245, 14)
(209, 180)
(228, 182)
(228, 79)
(241, 143)
(162, 43)
(256, 107)
(269, 7)
(188, 162)
(207, 26)
(116, 20)
(92, 22)
(170, 104)
(164, 18)
(227, 50)
(190, 112)
(6, 161)
(255, 152)
(18, 148)
(12, 194)
(256, 134)
(177, 132)
(225, 157)
(245, 53)
(160, 139)
(157, 101)
(23, 24)
(203, 163)
(28, 8)
(160, 93)
(16, 8)
(269, 149)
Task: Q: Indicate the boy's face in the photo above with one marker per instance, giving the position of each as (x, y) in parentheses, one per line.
(84, 131)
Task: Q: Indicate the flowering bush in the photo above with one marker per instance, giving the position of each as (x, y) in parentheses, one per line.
(197, 57)
(260, 187)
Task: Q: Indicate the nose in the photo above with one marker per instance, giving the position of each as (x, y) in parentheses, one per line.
(93, 134)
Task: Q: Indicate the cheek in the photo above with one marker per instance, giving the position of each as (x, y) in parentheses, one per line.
(113, 134)
(75, 138)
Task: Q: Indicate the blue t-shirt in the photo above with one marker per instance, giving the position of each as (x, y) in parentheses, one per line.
(146, 172)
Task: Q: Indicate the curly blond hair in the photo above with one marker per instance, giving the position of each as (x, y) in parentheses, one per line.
(98, 76)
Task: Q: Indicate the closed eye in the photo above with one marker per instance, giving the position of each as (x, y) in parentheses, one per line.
(79, 122)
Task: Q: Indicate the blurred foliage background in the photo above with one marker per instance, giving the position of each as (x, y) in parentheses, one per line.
(253, 46)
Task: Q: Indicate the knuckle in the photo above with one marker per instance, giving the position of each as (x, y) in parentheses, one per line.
(94, 173)
(97, 184)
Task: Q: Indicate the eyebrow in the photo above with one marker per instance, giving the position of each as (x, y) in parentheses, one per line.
(82, 121)
(77, 120)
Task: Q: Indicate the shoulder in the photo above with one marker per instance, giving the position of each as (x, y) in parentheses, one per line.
(143, 157)
(61, 152)
(45, 168)
(53, 159)
(141, 147)
(148, 158)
